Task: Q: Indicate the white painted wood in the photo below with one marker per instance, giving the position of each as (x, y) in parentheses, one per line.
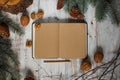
(108, 38)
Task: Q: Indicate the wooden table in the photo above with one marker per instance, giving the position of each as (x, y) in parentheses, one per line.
(104, 34)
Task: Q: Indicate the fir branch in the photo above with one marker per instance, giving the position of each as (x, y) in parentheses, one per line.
(83, 5)
(93, 2)
(2, 75)
(5, 45)
(8, 61)
(106, 8)
(113, 13)
(69, 4)
(14, 27)
(101, 10)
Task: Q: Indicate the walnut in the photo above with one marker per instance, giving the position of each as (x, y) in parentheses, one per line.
(40, 14)
(37, 26)
(28, 43)
(86, 65)
(33, 15)
(98, 57)
(24, 20)
(4, 30)
(3, 2)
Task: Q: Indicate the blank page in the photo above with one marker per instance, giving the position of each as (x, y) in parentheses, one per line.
(46, 41)
(72, 40)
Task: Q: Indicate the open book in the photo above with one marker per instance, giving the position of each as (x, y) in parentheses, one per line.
(60, 40)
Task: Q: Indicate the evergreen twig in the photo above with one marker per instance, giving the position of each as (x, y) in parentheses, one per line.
(8, 62)
(14, 27)
(103, 8)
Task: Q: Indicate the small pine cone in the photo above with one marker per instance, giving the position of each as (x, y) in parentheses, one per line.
(4, 30)
(60, 4)
(75, 12)
(98, 57)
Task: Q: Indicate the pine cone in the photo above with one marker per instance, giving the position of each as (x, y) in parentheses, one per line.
(60, 4)
(4, 30)
(75, 12)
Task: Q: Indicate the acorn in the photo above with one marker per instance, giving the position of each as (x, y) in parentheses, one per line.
(37, 26)
(3, 2)
(33, 15)
(24, 20)
(98, 57)
(85, 65)
(40, 14)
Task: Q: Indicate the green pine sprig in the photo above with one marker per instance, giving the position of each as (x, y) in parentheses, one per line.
(9, 64)
(13, 26)
(103, 8)
(83, 5)
(106, 8)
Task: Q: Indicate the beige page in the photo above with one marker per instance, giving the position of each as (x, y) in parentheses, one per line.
(72, 40)
(46, 41)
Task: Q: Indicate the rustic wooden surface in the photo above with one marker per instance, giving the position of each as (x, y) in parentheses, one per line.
(104, 34)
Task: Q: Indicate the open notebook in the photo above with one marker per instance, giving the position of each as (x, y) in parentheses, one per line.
(60, 40)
